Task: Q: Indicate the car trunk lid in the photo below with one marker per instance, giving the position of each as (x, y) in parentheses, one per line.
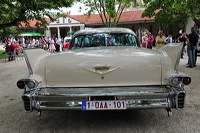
(104, 67)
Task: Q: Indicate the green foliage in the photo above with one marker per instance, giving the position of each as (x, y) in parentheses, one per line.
(13, 12)
(7, 31)
(2, 56)
(107, 10)
(166, 12)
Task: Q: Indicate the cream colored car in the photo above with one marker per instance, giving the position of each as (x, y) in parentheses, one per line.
(104, 69)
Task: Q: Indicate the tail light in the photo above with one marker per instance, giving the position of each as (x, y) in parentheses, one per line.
(174, 81)
(21, 84)
(29, 83)
(186, 80)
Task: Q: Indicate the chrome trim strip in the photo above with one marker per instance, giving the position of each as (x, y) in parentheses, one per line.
(89, 91)
(131, 104)
(178, 61)
(28, 64)
(137, 101)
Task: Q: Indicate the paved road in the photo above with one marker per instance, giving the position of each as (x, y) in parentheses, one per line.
(14, 120)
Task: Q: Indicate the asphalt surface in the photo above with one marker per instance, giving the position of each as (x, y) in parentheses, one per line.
(14, 120)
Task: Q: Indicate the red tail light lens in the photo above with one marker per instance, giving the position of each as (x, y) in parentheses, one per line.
(186, 80)
(21, 84)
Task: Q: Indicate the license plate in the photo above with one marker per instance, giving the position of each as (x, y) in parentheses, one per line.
(104, 105)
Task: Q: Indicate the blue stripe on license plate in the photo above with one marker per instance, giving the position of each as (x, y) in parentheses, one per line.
(83, 105)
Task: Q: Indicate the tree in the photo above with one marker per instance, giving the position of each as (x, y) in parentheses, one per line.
(109, 11)
(7, 31)
(166, 12)
(14, 12)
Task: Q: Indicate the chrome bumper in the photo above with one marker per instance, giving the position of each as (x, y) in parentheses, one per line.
(56, 99)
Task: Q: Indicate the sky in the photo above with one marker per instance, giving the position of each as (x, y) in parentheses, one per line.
(75, 9)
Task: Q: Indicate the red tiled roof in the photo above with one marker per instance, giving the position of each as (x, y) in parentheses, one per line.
(94, 18)
(125, 17)
(133, 16)
(33, 22)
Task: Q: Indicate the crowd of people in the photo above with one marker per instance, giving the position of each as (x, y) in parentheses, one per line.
(13, 46)
(149, 41)
(190, 40)
(51, 44)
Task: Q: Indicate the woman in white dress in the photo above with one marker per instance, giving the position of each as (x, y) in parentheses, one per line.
(52, 47)
(144, 40)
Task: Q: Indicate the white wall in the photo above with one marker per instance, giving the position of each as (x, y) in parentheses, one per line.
(66, 20)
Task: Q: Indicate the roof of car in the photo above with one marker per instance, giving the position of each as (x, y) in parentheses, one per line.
(104, 30)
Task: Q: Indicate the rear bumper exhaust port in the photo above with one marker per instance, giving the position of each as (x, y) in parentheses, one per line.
(180, 100)
(27, 103)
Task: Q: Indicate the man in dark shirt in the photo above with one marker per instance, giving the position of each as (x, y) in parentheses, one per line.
(183, 39)
(193, 39)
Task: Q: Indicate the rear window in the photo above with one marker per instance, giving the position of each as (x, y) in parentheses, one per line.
(103, 40)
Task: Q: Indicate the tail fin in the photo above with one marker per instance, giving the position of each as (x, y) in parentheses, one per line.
(173, 50)
(33, 57)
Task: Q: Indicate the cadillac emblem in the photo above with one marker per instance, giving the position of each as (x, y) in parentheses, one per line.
(101, 69)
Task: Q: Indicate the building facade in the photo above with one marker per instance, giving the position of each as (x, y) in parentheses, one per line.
(66, 26)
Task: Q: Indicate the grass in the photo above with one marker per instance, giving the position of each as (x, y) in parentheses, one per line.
(2, 56)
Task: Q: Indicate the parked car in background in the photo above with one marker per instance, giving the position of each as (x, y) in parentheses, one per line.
(104, 69)
(66, 43)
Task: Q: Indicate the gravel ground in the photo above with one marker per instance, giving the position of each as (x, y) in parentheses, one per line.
(14, 120)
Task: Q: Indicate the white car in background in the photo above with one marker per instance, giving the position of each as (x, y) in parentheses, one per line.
(104, 69)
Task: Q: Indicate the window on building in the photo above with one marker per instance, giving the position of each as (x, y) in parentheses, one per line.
(57, 21)
(128, 9)
(135, 9)
(69, 21)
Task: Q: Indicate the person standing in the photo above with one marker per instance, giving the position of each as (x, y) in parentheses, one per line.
(48, 42)
(144, 40)
(150, 40)
(160, 40)
(191, 48)
(52, 47)
(183, 39)
(169, 39)
(43, 44)
(58, 44)
(11, 50)
(154, 41)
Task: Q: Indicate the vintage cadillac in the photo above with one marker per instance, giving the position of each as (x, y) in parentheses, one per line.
(104, 69)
